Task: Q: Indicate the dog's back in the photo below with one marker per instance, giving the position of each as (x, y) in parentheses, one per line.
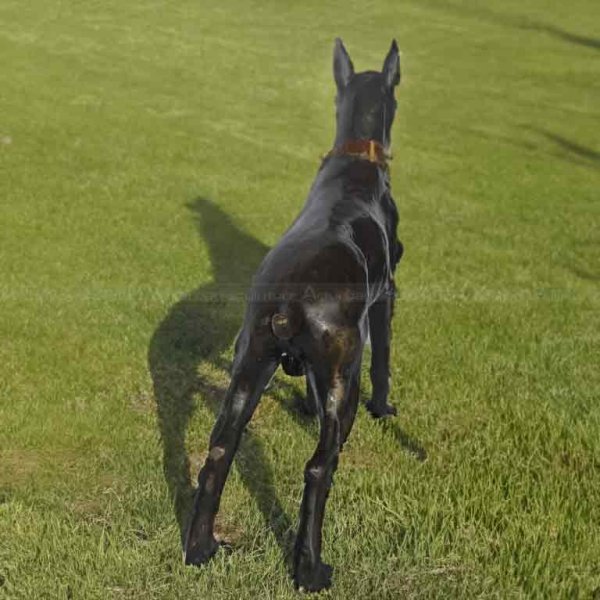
(342, 248)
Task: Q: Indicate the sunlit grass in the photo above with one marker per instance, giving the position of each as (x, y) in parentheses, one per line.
(151, 153)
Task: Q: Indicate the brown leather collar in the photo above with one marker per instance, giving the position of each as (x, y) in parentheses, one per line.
(366, 149)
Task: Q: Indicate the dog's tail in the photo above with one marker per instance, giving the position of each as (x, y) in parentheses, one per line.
(286, 322)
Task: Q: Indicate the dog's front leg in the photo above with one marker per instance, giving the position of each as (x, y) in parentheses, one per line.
(252, 370)
(380, 329)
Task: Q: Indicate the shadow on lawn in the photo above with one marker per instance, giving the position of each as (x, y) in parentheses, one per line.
(569, 147)
(198, 329)
(561, 147)
(411, 445)
(562, 34)
(516, 21)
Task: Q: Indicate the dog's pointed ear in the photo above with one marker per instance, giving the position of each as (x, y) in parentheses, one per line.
(391, 66)
(343, 69)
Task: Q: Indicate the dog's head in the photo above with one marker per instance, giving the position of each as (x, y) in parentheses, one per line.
(365, 101)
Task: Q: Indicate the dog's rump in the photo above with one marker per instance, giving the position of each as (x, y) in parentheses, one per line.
(321, 271)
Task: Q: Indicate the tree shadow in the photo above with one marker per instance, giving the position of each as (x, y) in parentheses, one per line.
(200, 328)
(516, 21)
(568, 146)
(562, 34)
(563, 148)
(584, 274)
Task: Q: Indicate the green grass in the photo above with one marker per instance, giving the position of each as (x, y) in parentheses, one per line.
(151, 152)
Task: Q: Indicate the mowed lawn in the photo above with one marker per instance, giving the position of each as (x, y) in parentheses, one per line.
(151, 153)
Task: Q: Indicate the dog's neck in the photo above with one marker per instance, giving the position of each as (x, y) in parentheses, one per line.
(372, 174)
(370, 150)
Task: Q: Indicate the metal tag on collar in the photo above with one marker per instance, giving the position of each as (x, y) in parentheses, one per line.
(372, 151)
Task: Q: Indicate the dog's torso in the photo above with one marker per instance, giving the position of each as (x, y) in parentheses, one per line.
(339, 255)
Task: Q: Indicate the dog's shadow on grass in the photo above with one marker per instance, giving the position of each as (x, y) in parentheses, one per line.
(197, 330)
(408, 443)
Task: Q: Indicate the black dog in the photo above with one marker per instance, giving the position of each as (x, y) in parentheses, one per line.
(315, 298)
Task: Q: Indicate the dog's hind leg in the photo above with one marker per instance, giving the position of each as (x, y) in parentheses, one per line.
(253, 366)
(349, 413)
(380, 329)
(309, 401)
(336, 389)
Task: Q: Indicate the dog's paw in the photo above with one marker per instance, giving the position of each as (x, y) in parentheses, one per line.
(200, 554)
(313, 578)
(378, 412)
